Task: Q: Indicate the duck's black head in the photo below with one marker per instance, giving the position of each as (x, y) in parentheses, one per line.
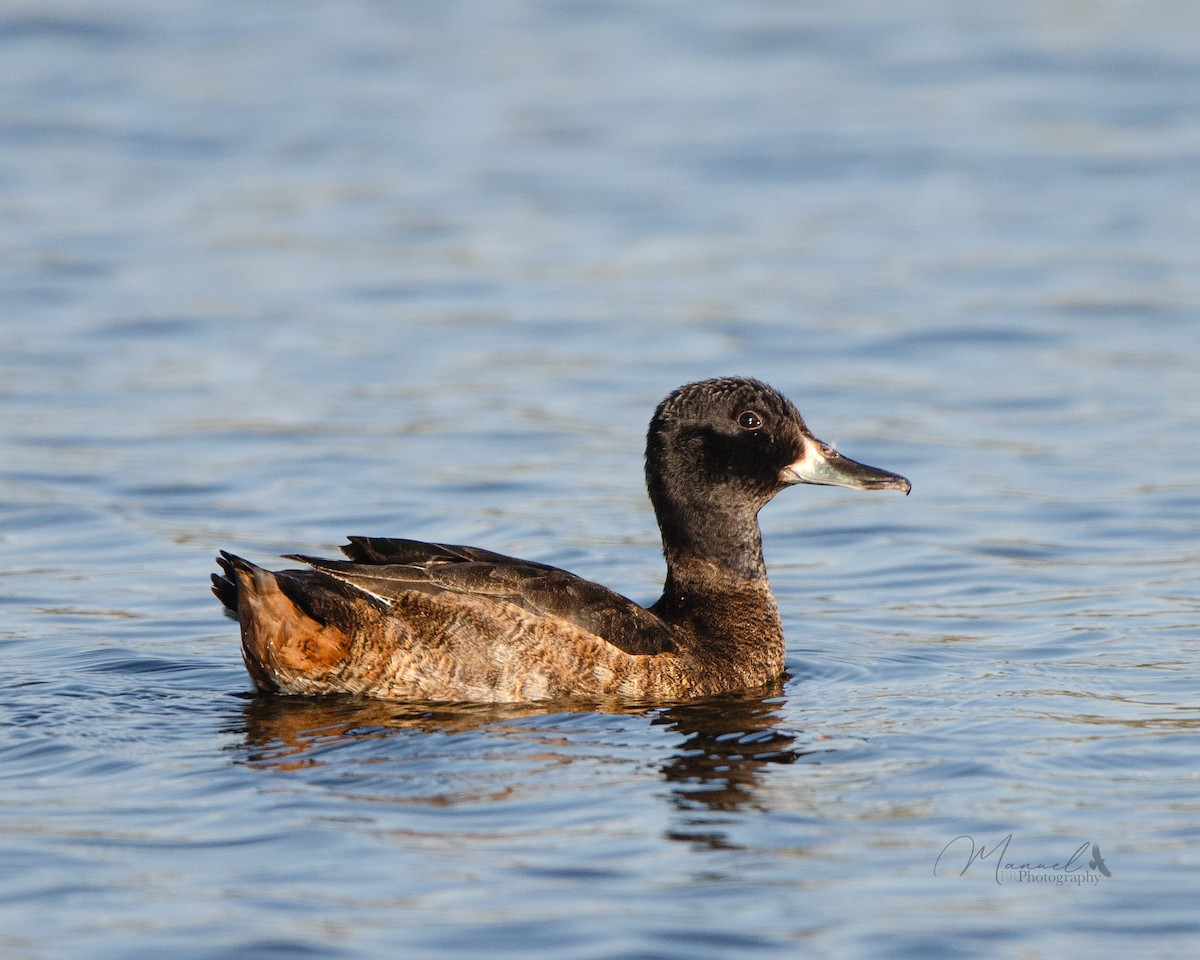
(718, 450)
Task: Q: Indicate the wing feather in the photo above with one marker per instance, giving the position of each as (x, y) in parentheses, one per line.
(387, 568)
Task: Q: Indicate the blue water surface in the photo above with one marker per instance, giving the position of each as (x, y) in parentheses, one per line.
(272, 274)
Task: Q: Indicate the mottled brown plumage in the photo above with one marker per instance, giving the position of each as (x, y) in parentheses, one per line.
(402, 619)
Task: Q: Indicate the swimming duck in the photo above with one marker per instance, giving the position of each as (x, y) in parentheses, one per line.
(406, 620)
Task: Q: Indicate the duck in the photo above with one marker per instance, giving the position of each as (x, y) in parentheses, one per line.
(398, 619)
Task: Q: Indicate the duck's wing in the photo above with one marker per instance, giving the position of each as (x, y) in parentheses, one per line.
(393, 550)
(387, 568)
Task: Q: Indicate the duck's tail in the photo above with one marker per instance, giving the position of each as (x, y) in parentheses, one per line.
(296, 625)
(224, 584)
(237, 587)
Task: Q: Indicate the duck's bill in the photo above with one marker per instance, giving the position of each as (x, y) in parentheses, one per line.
(823, 465)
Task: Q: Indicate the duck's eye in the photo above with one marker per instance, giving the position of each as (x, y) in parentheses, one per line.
(749, 420)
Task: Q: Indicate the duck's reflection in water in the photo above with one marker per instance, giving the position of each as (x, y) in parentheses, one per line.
(289, 733)
(724, 748)
(726, 744)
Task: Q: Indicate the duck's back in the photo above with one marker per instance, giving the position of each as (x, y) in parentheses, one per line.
(390, 568)
(404, 619)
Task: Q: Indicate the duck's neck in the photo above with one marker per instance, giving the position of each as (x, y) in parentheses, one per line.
(716, 543)
(726, 619)
(717, 596)
(715, 573)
